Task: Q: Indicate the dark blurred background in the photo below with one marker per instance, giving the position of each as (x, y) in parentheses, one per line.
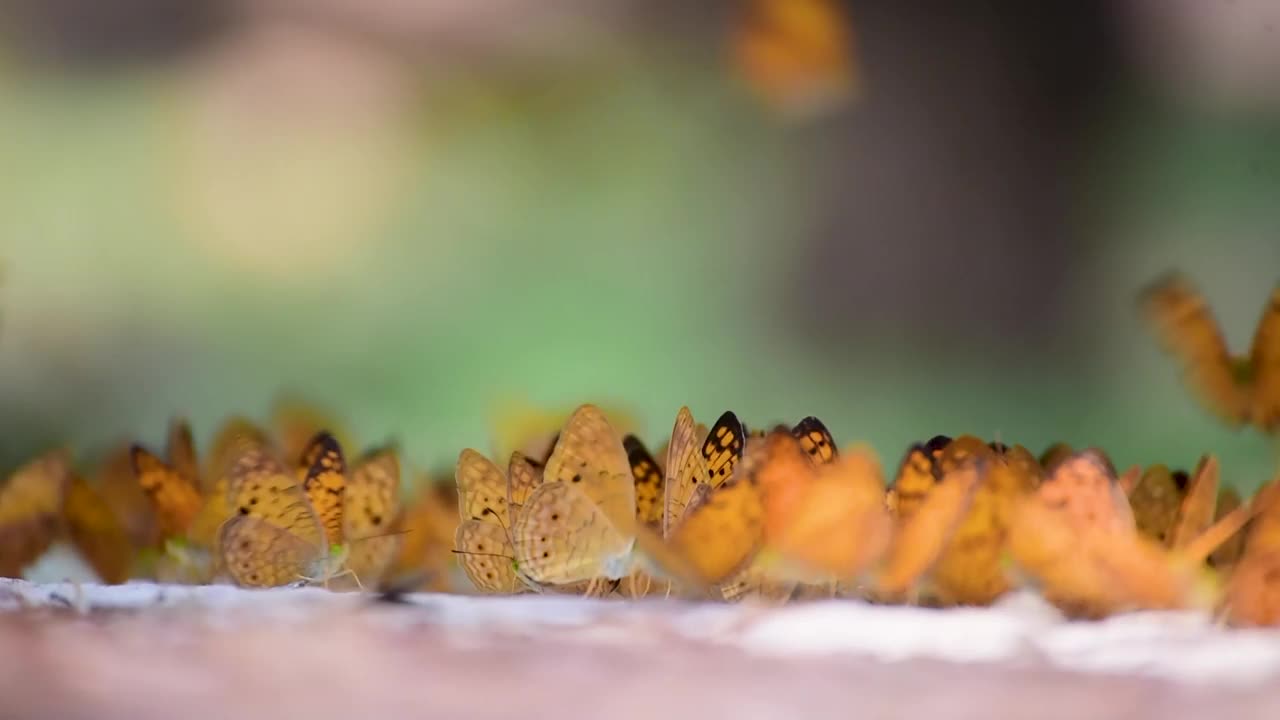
(428, 215)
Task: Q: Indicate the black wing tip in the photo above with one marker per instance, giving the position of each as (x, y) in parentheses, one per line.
(323, 443)
(635, 448)
(729, 418)
(809, 424)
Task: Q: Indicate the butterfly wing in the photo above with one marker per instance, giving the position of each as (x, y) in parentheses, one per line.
(324, 479)
(1181, 320)
(917, 474)
(686, 470)
(840, 525)
(257, 553)
(722, 449)
(796, 55)
(589, 456)
(562, 536)
(487, 557)
(1154, 501)
(815, 439)
(180, 449)
(919, 539)
(97, 533)
(174, 498)
(1195, 512)
(482, 489)
(523, 475)
(30, 504)
(234, 438)
(719, 535)
(261, 487)
(371, 504)
(648, 480)
(1265, 362)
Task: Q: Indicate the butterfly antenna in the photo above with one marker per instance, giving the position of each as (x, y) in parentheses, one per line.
(491, 513)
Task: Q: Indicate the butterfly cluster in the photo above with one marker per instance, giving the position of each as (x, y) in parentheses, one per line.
(779, 515)
(720, 512)
(264, 509)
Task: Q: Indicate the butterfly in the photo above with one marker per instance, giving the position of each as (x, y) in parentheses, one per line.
(112, 477)
(1252, 593)
(933, 497)
(30, 509)
(697, 460)
(274, 536)
(579, 524)
(916, 476)
(1238, 389)
(357, 505)
(172, 485)
(969, 570)
(796, 55)
(824, 514)
(1228, 554)
(1076, 538)
(1173, 508)
(489, 504)
(428, 525)
(768, 578)
(97, 533)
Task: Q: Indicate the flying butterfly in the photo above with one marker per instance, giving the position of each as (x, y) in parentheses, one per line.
(797, 56)
(1238, 389)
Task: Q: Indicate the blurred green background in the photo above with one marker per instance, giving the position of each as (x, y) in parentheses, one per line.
(418, 214)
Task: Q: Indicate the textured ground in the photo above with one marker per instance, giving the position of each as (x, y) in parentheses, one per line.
(148, 651)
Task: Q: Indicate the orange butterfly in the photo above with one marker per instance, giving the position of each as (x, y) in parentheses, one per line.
(969, 570)
(172, 485)
(1076, 539)
(30, 508)
(1239, 390)
(796, 55)
(97, 533)
(1252, 594)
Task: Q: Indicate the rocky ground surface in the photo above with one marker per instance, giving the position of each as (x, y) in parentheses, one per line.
(149, 651)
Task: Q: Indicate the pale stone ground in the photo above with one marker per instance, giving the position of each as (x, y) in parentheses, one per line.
(148, 651)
